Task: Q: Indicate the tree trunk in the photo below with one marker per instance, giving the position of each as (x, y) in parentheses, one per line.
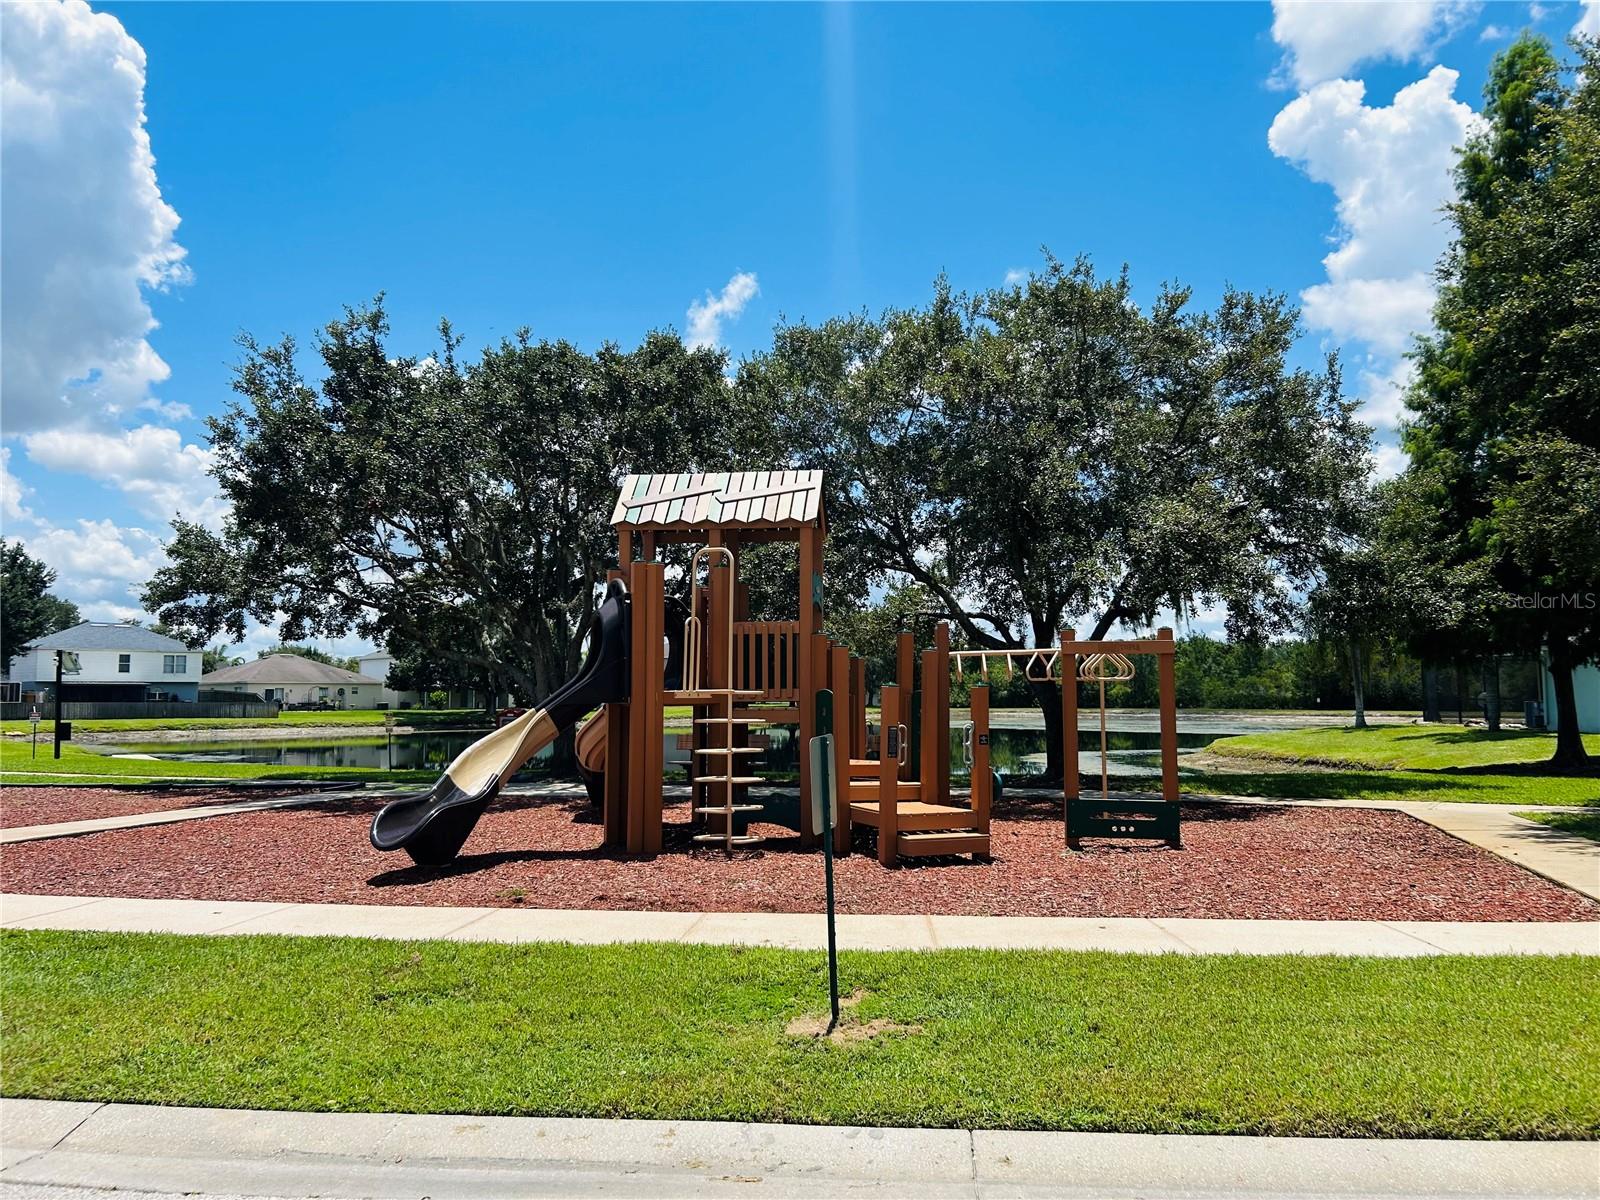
(1430, 693)
(1569, 740)
(1048, 697)
(1491, 693)
(1358, 689)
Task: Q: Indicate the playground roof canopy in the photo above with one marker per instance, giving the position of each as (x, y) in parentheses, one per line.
(743, 499)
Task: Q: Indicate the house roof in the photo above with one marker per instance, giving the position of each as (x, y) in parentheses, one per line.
(769, 499)
(108, 635)
(284, 669)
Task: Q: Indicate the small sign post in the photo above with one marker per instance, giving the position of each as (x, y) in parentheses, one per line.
(66, 663)
(388, 734)
(33, 731)
(824, 809)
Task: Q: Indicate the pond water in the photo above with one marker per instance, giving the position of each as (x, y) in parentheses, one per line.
(1012, 751)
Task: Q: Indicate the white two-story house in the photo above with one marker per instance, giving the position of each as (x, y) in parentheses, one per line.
(115, 662)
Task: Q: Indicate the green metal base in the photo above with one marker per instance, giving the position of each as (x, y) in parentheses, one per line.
(1155, 819)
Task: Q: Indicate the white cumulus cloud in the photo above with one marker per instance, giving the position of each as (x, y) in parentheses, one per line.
(1324, 39)
(86, 230)
(1391, 171)
(706, 317)
(161, 475)
(100, 566)
(1588, 19)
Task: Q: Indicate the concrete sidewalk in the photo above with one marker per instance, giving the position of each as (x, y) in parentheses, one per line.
(802, 931)
(176, 1150)
(169, 816)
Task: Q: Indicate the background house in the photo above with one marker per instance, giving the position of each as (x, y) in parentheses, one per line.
(375, 667)
(116, 663)
(291, 679)
(1586, 691)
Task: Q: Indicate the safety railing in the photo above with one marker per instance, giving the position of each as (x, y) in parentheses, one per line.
(766, 658)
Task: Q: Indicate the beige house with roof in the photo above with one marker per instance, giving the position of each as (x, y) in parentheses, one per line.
(292, 680)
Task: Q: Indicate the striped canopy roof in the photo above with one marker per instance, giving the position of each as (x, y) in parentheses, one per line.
(764, 499)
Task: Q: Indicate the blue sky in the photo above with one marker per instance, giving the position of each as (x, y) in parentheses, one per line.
(592, 171)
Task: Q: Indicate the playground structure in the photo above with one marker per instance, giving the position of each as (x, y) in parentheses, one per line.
(739, 676)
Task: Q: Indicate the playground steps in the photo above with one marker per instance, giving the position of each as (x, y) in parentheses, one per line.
(770, 716)
(863, 790)
(915, 816)
(927, 842)
(707, 696)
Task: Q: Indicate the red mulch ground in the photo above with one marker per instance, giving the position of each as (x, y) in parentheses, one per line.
(1238, 861)
(21, 806)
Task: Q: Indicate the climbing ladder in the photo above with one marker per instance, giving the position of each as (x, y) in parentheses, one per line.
(721, 758)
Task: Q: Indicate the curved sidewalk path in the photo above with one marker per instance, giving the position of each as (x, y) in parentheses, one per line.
(66, 1145)
(801, 931)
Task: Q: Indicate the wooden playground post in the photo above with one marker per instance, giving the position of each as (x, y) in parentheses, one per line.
(645, 732)
(934, 791)
(809, 623)
(1069, 715)
(1166, 662)
(905, 667)
(932, 732)
(888, 774)
(843, 701)
(858, 693)
(982, 779)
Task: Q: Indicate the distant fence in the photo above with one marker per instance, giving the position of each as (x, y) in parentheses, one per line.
(99, 710)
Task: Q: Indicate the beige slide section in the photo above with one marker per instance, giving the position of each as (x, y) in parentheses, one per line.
(499, 754)
(591, 744)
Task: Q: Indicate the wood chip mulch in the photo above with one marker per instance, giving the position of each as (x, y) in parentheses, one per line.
(21, 806)
(1239, 861)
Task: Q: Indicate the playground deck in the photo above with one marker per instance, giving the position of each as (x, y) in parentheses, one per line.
(1239, 861)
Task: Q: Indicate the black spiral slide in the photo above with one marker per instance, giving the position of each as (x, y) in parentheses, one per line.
(433, 826)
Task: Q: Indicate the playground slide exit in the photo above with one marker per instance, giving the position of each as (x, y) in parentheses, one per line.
(433, 826)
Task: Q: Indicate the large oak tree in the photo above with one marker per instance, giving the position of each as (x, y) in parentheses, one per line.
(454, 509)
(1051, 453)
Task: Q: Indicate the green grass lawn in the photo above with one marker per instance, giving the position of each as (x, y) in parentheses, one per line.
(1401, 762)
(1398, 747)
(1394, 785)
(1584, 824)
(416, 718)
(18, 767)
(1437, 1047)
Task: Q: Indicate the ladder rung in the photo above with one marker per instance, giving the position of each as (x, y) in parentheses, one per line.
(744, 839)
(714, 809)
(728, 721)
(706, 780)
(730, 750)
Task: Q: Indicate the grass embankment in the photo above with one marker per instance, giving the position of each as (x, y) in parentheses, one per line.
(415, 718)
(1439, 1047)
(1403, 762)
(1584, 824)
(77, 765)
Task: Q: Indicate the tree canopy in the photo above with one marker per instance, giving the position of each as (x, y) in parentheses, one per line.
(457, 505)
(1048, 453)
(28, 610)
(1505, 410)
